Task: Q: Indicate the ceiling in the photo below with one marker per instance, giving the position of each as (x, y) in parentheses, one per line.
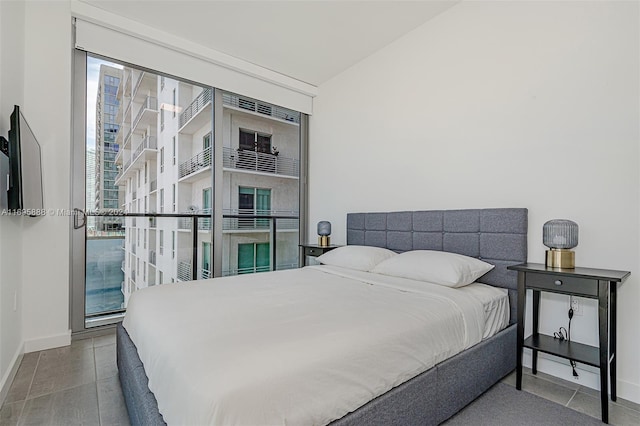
(311, 41)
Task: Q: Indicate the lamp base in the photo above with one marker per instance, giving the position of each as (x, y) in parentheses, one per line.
(323, 241)
(561, 258)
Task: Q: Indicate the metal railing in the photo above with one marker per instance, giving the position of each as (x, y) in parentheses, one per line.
(260, 107)
(196, 163)
(149, 142)
(259, 162)
(149, 104)
(198, 104)
(205, 274)
(243, 219)
(185, 271)
(137, 85)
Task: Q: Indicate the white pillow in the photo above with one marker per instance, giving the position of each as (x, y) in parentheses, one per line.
(438, 267)
(361, 258)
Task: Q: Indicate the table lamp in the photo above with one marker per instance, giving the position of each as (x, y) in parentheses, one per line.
(324, 230)
(560, 235)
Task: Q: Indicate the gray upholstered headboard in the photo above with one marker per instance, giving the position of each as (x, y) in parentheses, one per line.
(497, 236)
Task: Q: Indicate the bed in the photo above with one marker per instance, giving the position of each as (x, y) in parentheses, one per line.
(497, 236)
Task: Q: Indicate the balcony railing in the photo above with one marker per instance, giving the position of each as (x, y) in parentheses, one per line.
(196, 163)
(196, 106)
(233, 220)
(258, 107)
(259, 162)
(185, 270)
(149, 104)
(149, 142)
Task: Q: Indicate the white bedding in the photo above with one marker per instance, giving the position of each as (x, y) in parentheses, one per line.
(298, 347)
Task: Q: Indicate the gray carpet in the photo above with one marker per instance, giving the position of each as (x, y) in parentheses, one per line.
(504, 405)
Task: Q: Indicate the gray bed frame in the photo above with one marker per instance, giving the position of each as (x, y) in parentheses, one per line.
(498, 236)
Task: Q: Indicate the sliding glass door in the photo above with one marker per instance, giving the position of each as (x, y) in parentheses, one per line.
(161, 181)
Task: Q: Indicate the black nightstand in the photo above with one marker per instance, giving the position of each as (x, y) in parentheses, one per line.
(314, 250)
(597, 284)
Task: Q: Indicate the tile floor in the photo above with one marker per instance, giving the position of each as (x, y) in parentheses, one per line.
(78, 384)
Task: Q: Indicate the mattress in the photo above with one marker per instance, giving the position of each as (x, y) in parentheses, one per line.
(303, 346)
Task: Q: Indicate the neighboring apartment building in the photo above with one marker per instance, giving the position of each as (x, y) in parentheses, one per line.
(107, 194)
(91, 189)
(166, 167)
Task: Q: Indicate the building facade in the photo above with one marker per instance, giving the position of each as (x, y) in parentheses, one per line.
(166, 167)
(107, 193)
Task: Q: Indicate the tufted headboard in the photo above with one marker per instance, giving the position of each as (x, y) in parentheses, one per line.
(497, 236)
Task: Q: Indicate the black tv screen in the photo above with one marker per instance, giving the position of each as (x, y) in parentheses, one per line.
(25, 167)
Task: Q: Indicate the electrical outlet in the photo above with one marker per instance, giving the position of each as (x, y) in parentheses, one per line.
(576, 304)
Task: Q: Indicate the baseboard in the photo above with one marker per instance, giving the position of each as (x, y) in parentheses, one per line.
(48, 342)
(588, 376)
(7, 379)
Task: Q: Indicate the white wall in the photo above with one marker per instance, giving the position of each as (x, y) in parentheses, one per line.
(11, 93)
(47, 107)
(500, 104)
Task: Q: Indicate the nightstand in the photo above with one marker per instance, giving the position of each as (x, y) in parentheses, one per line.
(314, 250)
(591, 283)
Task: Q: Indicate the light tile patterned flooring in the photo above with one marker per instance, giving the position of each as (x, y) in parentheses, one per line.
(78, 384)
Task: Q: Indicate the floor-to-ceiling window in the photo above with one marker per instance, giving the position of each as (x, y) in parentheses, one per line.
(176, 175)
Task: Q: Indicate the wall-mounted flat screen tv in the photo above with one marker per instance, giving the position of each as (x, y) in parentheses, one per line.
(25, 167)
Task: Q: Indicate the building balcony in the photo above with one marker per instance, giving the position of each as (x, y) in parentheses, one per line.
(147, 114)
(184, 271)
(186, 223)
(145, 83)
(260, 108)
(147, 149)
(152, 257)
(251, 224)
(191, 170)
(259, 162)
(197, 114)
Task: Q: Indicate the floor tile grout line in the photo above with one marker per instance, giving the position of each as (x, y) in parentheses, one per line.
(571, 399)
(33, 377)
(95, 371)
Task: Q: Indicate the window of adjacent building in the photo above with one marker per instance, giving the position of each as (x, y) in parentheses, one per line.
(174, 103)
(144, 239)
(206, 200)
(254, 141)
(160, 277)
(161, 119)
(161, 243)
(173, 151)
(254, 201)
(144, 271)
(161, 200)
(206, 260)
(146, 173)
(162, 83)
(161, 159)
(173, 244)
(173, 195)
(253, 257)
(206, 141)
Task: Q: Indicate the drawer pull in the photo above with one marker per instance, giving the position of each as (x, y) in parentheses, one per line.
(558, 282)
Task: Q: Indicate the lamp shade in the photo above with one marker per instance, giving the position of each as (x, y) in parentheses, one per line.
(560, 234)
(324, 228)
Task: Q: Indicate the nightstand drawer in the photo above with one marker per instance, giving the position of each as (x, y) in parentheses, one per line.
(313, 251)
(563, 284)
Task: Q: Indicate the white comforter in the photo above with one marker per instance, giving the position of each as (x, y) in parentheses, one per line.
(298, 347)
